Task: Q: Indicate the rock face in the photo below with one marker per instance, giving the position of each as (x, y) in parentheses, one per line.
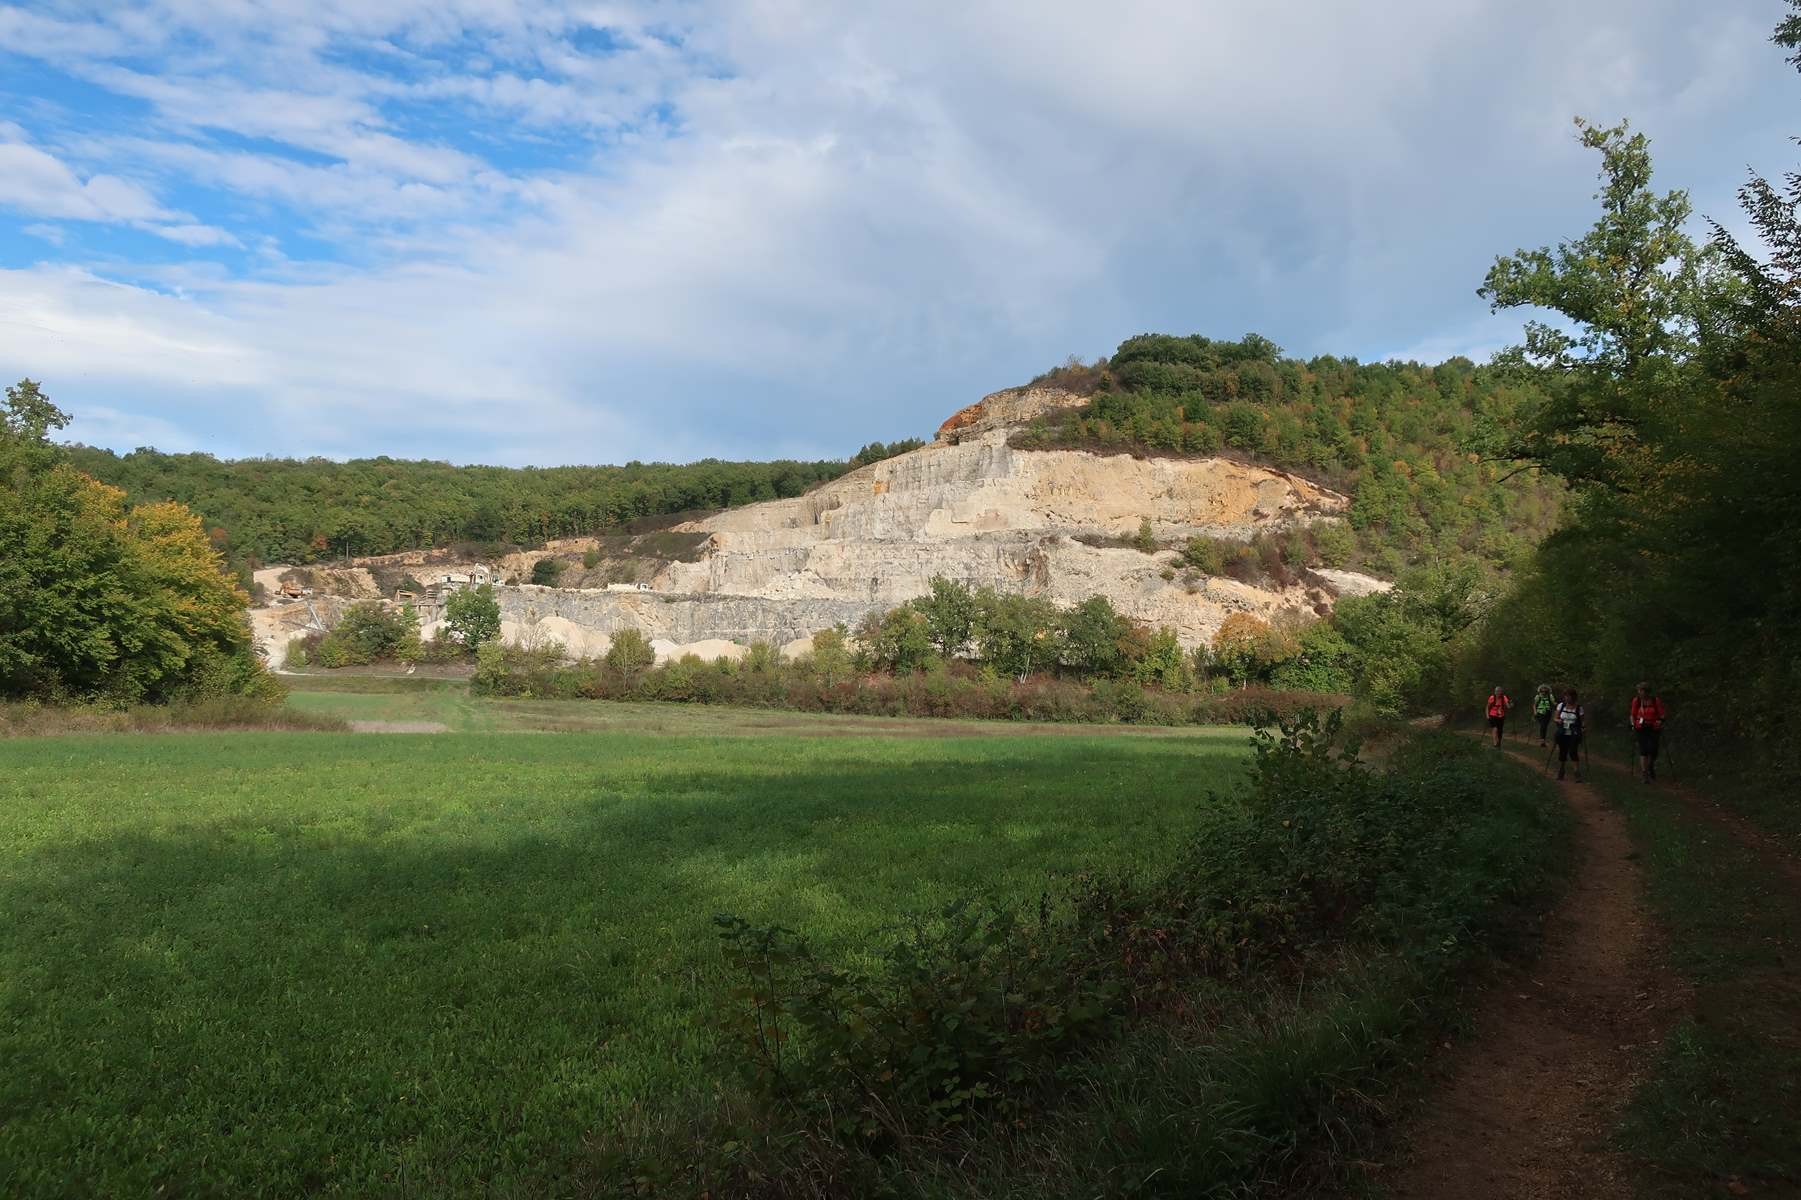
(971, 508)
(967, 507)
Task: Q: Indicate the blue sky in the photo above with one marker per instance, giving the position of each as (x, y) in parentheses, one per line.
(599, 230)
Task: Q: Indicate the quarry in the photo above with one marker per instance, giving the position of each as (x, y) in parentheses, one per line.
(1058, 524)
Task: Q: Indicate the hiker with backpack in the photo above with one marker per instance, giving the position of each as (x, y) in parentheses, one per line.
(1542, 704)
(1499, 702)
(1568, 716)
(1647, 717)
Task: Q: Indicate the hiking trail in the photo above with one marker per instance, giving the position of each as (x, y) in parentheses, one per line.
(1523, 1109)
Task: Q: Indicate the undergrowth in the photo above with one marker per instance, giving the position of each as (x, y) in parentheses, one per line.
(1225, 1025)
(28, 719)
(1722, 1104)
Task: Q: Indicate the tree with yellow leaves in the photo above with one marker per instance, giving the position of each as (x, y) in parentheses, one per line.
(101, 601)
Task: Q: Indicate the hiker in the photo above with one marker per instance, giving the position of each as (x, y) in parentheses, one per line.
(1498, 704)
(1542, 704)
(1647, 717)
(1568, 715)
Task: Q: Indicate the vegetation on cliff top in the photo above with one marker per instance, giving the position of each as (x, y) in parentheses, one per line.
(1399, 437)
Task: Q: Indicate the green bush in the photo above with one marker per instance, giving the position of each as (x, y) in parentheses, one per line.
(973, 1010)
(548, 572)
(630, 652)
(473, 616)
(899, 640)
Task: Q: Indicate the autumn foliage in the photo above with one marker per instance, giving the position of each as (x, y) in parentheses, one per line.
(99, 600)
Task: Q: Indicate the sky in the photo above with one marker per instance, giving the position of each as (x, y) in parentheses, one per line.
(582, 231)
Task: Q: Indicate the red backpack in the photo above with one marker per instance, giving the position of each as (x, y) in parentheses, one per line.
(1647, 712)
(1498, 705)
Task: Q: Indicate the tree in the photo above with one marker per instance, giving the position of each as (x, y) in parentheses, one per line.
(547, 572)
(99, 600)
(29, 415)
(1238, 645)
(1162, 663)
(473, 615)
(831, 659)
(898, 640)
(1017, 635)
(1093, 637)
(1636, 293)
(630, 652)
(950, 615)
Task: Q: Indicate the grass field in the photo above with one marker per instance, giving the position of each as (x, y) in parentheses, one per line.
(270, 963)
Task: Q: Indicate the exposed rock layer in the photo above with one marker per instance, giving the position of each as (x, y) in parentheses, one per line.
(967, 507)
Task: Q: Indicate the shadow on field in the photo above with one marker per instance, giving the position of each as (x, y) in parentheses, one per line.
(299, 990)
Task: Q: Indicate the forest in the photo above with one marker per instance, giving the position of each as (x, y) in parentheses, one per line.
(269, 510)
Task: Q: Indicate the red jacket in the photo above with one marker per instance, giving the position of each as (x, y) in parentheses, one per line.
(1647, 713)
(1498, 705)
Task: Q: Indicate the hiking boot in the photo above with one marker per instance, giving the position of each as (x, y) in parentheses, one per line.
(1578, 776)
(1560, 774)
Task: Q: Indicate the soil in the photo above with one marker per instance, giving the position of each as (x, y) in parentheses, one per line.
(1524, 1109)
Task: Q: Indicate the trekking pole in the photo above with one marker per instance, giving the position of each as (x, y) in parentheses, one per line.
(1669, 762)
(1548, 754)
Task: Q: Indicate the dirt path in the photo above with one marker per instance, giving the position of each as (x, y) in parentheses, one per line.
(1525, 1107)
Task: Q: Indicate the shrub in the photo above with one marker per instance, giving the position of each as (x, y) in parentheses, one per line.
(630, 652)
(548, 572)
(442, 648)
(1334, 542)
(371, 631)
(972, 1008)
(1204, 555)
(590, 559)
(761, 658)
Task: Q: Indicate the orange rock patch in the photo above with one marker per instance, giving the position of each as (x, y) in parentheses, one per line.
(963, 418)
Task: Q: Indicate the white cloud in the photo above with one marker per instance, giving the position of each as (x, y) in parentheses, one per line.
(41, 185)
(196, 235)
(866, 216)
(56, 235)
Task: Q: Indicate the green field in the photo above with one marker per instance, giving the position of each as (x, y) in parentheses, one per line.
(275, 963)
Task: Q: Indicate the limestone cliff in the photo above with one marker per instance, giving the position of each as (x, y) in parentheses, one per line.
(971, 508)
(967, 507)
